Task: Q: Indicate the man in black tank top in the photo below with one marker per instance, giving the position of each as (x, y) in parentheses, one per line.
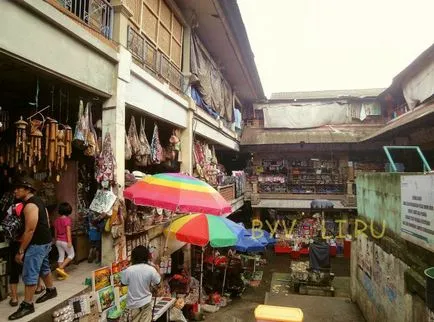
(35, 247)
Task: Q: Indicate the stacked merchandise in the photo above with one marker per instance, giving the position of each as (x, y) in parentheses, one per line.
(272, 176)
(139, 219)
(206, 165)
(240, 183)
(315, 176)
(272, 183)
(360, 167)
(145, 153)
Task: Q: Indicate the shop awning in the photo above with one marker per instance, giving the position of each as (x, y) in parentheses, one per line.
(294, 204)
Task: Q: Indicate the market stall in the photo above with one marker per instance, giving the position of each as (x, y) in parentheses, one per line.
(52, 131)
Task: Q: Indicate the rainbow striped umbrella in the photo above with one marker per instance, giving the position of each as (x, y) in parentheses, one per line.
(177, 192)
(201, 229)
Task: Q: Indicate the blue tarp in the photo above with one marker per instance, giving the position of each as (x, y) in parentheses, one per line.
(246, 243)
(262, 236)
(322, 204)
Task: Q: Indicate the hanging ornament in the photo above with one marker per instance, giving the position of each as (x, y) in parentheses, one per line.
(68, 141)
(35, 144)
(21, 139)
(51, 147)
(60, 155)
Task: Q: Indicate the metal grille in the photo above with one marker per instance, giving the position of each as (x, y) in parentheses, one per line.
(151, 56)
(136, 44)
(97, 14)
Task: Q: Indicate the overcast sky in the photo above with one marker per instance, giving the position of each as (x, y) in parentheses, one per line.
(305, 45)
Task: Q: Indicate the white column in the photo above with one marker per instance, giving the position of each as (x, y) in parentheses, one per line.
(113, 122)
(187, 141)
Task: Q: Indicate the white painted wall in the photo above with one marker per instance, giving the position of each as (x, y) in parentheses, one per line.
(146, 93)
(214, 135)
(57, 44)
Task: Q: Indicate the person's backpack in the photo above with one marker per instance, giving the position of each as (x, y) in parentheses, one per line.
(13, 224)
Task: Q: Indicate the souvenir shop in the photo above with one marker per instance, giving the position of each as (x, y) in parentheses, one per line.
(208, 167)
(318, 173)
(151, 146)
(51, 130)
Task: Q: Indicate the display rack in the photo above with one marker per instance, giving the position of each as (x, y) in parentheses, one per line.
(273, 176)
(315, 176)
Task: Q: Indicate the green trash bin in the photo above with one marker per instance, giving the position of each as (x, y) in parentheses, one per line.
(429, 277)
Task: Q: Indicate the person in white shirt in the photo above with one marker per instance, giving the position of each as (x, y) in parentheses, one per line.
(140, 277)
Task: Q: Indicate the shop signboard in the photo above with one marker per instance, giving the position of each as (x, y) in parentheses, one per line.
(417, 210)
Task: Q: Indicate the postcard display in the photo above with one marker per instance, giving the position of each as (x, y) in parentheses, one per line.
(106, 285)
(108, 296)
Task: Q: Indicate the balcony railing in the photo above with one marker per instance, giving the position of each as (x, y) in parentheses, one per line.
(152, 59)
(97, 14)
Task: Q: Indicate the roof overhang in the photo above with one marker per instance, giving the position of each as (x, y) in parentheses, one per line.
(418, 114)
(325, 134)
(297, 204)
(221, 29)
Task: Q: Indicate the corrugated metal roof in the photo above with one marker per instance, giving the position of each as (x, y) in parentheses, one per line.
(294, 204)
(359, 93)
(261, 136)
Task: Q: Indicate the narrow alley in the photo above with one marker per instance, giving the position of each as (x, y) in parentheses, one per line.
(274, 290)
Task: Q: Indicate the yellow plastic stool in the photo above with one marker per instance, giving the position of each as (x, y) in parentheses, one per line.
(269, 313)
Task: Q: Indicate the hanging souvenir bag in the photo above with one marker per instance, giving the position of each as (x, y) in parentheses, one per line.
(142, 159)
(128, 152)
(156, 148)
(92, 149)
(79, 138)
(106, 163)
(133, 137)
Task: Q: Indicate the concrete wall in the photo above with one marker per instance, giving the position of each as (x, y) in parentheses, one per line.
(146, 93)
(386, 272)
(41, 35)
(379, 198)
(215, 135)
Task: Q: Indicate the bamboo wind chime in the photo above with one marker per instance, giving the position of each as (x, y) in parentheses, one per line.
(30, 150)
(34, 155)
(51, 144)
(20, 140)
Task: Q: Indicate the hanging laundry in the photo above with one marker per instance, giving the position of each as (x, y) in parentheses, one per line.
(156, 148)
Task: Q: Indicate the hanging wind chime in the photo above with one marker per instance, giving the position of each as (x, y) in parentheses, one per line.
(60, 155)
(68, 141)
(51, 144)
(20, 140)
(35, 144)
